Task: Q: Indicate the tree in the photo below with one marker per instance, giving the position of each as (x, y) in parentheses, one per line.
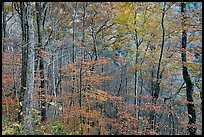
(156, 88)
(101, 68)
(40, 9)
(186, 76)
(27, 80)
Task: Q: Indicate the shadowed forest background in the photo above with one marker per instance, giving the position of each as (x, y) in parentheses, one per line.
(102, 68)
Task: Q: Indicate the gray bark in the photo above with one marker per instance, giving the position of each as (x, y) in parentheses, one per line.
(4, 24)
(27, 80)
(30, 69)
(24, 61)
(41, 43)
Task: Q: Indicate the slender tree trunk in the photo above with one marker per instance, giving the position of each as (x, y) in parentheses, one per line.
(39, 11)
(73, 45)
(139, 100)
(121, 81)
(136, 76)
(94, 36)
(189, 85)
(24, 61)
(136, 63)
(59, 85)
(4, 25)
(80, 98)
(54, 93)
(126, 86)
(4, 35)
(81, 55)
(159, 73)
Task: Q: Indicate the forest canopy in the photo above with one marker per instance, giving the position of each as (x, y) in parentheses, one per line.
(101, 68)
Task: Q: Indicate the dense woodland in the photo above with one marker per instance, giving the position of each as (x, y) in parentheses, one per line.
(102, 68)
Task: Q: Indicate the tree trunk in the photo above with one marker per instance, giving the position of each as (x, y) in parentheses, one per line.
(80, 73)
(156, 88)
(30, 68)
(139, 100)
(189, 85)
(73, 50)
(27, 81)
(136, 63)
(24, 61)
(39, 11)
(4, 34)
(121, 81)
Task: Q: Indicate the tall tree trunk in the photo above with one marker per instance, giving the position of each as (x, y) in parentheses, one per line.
(136, 61)
(73, 40)
(73, 49)
(4, 44)
(81, 56)
(94, 38)
(189, 85)
(54, 93)
(159, 73)
(30, 68)
(24, 61)
(139, 99)
(39, 11)
(4, 34)
(27, 81)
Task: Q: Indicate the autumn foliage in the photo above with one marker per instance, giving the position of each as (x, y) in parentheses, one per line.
(102, 68)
